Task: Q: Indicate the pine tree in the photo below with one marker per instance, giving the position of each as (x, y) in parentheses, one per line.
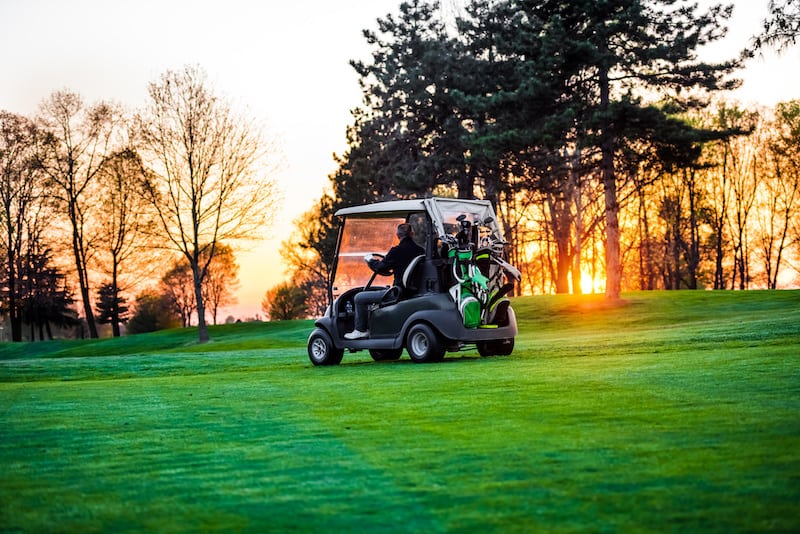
(46, 298)
(410, 139)
(111, 307)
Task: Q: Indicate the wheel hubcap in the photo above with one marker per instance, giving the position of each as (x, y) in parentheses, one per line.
(419, 344)
(318, 349)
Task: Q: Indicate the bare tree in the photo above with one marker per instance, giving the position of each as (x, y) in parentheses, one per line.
(781, 195)
(77, 140)
(210, 181)
(20, 202)
(121, 222)
(747, 169)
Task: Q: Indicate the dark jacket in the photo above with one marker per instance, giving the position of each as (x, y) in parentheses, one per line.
(398, 258)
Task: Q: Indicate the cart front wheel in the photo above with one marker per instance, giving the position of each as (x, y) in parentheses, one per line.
(321, 350)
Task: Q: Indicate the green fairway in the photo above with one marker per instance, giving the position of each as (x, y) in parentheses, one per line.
(675, 411)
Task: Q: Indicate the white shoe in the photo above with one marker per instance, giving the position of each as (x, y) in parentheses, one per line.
(356, 334)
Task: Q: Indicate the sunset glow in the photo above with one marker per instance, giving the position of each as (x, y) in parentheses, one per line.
(590, 285)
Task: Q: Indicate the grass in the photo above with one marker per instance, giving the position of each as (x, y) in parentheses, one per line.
(674, 411)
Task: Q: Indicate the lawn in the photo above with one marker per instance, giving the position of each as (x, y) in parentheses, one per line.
(675, 411)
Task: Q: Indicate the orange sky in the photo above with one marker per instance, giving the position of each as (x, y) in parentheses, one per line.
(287, 62)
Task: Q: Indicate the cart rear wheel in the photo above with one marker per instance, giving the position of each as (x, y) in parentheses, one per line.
(496, 347)
(424, 345)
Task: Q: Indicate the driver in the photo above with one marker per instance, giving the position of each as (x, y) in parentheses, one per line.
(396, 260)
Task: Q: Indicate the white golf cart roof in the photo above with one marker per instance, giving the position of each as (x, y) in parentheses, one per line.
(414, 205)
(439, 209)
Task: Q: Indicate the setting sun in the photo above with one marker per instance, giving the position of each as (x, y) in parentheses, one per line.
(589, 284)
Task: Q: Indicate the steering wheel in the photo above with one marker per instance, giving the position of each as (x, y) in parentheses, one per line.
(368, 258)
(376, 256)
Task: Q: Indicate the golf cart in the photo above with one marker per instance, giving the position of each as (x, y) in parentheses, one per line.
(450, 299)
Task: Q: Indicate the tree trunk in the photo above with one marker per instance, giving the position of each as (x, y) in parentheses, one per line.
(87, 302)
(560, 224)
(646, 269)
(202, 327)
(577, 201)
(80, 266)
(115, 306)
(613, 267)
(14, 315)
(693, 262)
(677, 245)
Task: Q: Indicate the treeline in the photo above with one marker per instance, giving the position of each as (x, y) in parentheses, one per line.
(603, 141)
(99, 204)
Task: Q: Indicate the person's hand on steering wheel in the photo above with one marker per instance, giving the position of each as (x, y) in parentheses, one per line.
(373, 259)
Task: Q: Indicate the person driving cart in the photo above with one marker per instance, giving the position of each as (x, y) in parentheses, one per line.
(396, 261)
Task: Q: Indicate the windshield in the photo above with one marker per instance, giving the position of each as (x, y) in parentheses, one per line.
(359, 238)
(479, 215)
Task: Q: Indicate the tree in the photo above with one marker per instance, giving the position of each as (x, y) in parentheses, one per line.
(221, 281)
(782, 189)
(409, 139)
(77, 140)
(46, 299)
(21, 202)
(153, 312)
(111, 307)
(121, 223)
(781, 28)
(209, 182)
(284, 302)
(177, 287)
(309, 253)
(720, 158)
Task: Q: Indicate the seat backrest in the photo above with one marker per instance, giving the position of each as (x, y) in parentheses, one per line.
(409, 284)
(408, 274)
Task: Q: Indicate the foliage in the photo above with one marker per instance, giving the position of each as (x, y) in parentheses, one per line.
(532, 103)
(309, 253)
(152, 312)
(177, 288)
(111, 307)
(781, 28)
(44, 295)
(284, 302)
(410, 137)
(659, 402)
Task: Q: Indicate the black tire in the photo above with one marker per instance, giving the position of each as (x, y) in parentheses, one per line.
(496, 347)
(321, 350)
(384, 355)
(424, 345)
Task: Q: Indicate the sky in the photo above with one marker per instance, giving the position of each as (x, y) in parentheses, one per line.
(286, 63)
